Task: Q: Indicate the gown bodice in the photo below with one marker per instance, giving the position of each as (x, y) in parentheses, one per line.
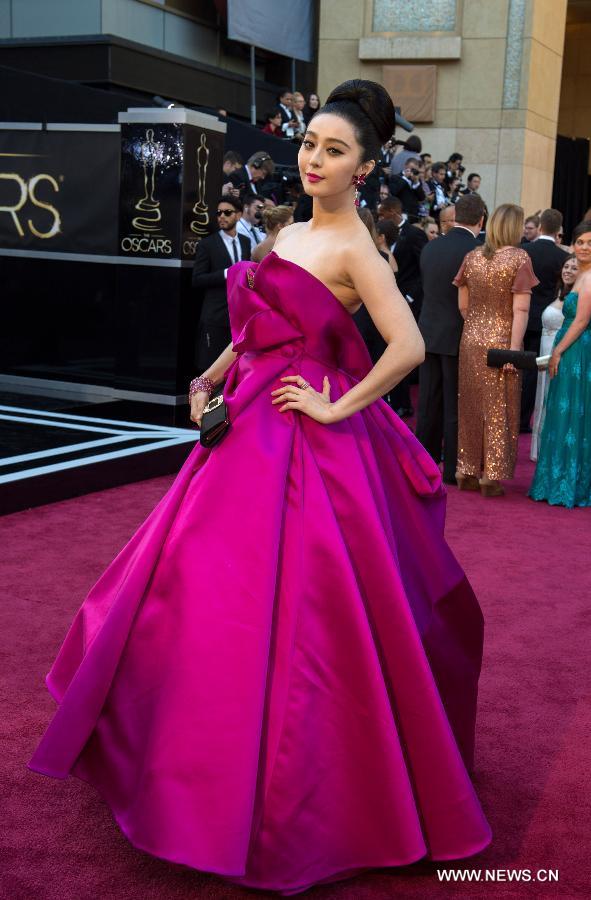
(552, 319)
(276, 306)
(569, 307)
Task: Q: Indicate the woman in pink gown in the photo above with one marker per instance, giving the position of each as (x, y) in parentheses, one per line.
(276, 679)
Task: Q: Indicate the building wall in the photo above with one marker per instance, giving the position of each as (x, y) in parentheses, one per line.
(499, 66)
(163, 27)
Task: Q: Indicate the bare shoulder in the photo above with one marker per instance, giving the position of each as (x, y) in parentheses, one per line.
(289, 231)
(357, 249)
(583, 283)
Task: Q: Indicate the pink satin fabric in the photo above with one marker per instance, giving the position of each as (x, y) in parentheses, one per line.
(276, 678)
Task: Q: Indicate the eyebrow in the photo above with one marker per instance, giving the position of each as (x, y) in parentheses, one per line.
(335, 140)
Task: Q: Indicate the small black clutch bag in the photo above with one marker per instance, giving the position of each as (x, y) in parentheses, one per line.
(214, 422)
(521, 359)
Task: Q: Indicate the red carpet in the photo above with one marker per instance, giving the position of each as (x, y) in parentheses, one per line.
(530, 567)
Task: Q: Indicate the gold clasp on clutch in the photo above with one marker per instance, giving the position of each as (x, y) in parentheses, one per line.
(250, 276)
(213, 404)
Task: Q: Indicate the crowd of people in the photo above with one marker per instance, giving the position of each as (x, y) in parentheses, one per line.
(472, 282)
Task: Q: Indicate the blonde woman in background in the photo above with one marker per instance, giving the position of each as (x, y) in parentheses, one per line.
(430, 227)
(495, 283)
(274, 219)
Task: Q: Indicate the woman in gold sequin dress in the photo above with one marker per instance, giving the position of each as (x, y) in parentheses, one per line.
(495, 283)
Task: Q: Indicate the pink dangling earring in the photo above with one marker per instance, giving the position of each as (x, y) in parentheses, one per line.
(358, 181)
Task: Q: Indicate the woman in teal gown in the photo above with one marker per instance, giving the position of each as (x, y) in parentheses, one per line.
(563, 471)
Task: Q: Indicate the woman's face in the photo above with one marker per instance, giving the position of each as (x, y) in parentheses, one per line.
(432, 230)
(330, 156)
(569, 272)
(582, 248)
(276, 120)
(313, 101)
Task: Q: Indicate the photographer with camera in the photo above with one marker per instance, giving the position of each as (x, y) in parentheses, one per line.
(258, 167)
(411, 148)
(387, 152)
(455, 168)
(453, 189)
(437, 185)
(409, 189)
(454, 174)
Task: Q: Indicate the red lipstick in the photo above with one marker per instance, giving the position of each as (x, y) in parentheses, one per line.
(314, 178)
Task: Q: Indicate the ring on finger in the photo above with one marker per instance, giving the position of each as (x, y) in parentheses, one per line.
(304, 385)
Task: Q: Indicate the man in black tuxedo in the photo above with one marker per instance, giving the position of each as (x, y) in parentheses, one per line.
(215, 254)
(441, 326)
(289, 122)
(407, 253)
(547, 260)
(409, 189)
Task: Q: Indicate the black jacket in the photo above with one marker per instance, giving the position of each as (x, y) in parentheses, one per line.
(407, 253)
(547, 260)
(440, 321)
(211, 258)
(241, 180)
(411, 198)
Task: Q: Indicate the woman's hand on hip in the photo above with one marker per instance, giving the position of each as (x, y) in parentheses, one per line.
(298, 394)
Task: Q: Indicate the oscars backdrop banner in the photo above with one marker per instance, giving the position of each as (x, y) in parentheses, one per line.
(59, 191)
(168, 188)
(202, 186)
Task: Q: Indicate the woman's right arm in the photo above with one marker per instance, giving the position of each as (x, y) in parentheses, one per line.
(392, 260)
(520, 316)
(216, 373)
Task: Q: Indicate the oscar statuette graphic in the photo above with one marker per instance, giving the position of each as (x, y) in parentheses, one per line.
(148, 206)
(199, 225)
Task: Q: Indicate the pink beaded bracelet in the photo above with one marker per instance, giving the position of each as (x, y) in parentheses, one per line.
(201, 384)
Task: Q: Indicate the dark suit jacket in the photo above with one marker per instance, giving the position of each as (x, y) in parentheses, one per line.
(407, 254)
(211, 258)
(411, 198)
(241, 179)
(440, 321)
(547, 260)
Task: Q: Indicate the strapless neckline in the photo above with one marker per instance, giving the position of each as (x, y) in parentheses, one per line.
(310, 275)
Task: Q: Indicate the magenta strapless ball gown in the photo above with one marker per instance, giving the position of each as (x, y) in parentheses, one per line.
(276, 678)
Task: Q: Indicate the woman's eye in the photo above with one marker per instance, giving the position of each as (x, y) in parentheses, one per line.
(334, 150)
(307, 144)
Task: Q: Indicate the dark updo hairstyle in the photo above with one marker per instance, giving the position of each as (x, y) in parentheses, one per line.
(369, 109)
(582, 228)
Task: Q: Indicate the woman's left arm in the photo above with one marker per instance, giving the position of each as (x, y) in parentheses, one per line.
(463, 300)
(579, 324)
